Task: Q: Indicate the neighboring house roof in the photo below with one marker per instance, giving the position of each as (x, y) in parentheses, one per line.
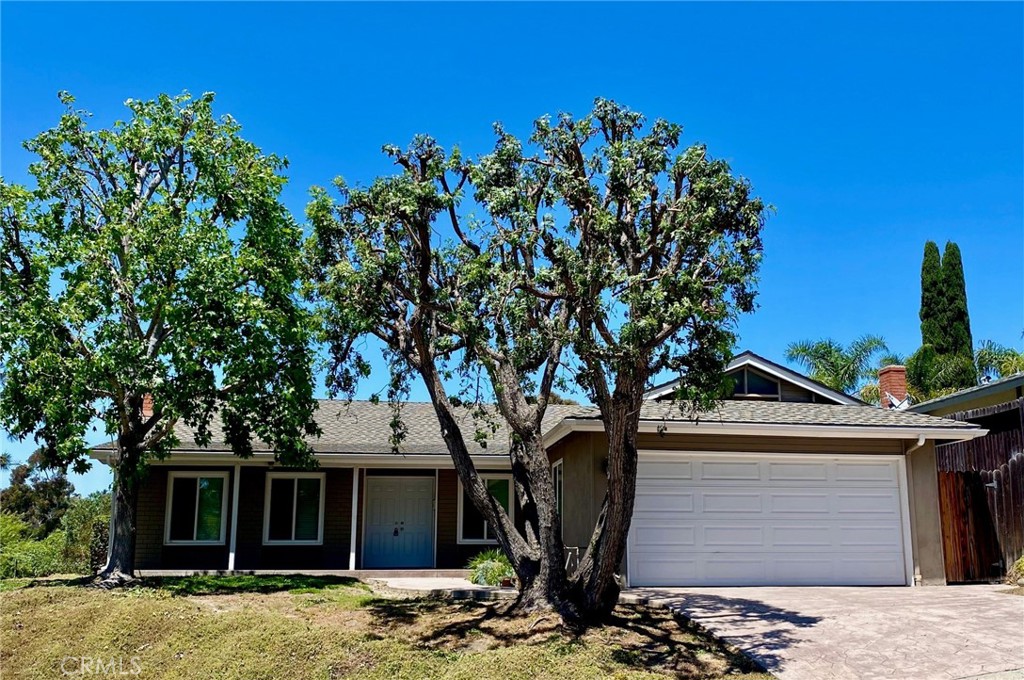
(750, 359)
(971, 393)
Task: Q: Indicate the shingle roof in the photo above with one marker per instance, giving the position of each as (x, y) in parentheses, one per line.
(793, 413)
(365, 427)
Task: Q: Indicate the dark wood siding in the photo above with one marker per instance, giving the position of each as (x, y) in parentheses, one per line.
(151, 553)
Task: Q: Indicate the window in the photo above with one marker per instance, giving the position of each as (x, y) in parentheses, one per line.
(473, 528)
(751, 385)
(196, 507)
(556, 476)
(294, 508)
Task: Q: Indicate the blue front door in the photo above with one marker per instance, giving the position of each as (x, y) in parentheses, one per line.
(399, 523)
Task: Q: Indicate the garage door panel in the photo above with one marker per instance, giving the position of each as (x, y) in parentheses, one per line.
(655, 472)
(714, 502)
(718, 536)
(797, 472)
(871, 536)
(665, 536)
(735, 569)
(882, 502)
(789, 502)
(820, 521)
(729, 470)
(881, 472)
(801, 536)
(662, 501)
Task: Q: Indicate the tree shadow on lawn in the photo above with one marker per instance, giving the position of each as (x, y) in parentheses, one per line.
(638, 637)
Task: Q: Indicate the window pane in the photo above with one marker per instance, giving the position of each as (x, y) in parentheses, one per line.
(211, 497)
(758, 384)
(472, 520)
(556, 473)
(281, 494)
(307, 510)
(499, 489)
(739, 382)
(183, 508)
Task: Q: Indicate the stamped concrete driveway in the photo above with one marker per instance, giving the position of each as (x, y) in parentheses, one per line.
(861, 633)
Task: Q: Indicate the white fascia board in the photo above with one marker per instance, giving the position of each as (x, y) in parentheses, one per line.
(772, 430)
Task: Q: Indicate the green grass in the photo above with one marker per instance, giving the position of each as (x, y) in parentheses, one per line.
(223, 585)
(298, 627)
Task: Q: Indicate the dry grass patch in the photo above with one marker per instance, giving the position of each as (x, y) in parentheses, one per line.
(336, 630)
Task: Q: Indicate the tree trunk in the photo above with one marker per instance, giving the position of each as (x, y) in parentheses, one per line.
(124, 506)
(595, 589)
(544, 586)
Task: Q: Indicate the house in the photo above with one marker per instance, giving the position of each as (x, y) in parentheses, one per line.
(981, 481)
(787, 483)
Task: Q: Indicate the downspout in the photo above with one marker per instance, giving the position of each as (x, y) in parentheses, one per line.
(920, 442)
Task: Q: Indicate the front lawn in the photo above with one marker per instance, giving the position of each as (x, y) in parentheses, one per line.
(305, 627)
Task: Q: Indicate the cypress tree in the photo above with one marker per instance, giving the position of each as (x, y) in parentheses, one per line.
(956, 324)
(932, 302)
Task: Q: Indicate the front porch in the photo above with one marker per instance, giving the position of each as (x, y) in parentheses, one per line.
(257, 518)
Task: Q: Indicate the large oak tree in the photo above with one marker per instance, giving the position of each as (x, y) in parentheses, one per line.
(598, 251)
(151, 276)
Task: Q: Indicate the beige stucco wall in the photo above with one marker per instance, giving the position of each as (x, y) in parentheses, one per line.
(925, 526)
(583, 456)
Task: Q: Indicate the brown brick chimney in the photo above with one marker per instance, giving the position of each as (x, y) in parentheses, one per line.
(147, 405)
(892, 385)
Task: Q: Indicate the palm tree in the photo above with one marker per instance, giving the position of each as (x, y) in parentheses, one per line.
(842, 368)
(998, 361)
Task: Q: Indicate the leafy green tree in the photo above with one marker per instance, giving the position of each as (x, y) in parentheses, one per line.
(945, 361)
(932, 298)
(38, 495)
(998, 361)
(956, 321)
(596, 248)
(930, 374)
(151, 258)
(842, 368)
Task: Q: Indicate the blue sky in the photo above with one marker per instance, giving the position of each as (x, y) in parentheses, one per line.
(871, 127)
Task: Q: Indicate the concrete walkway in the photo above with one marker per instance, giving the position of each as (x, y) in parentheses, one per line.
(455, 588)
(925, 633)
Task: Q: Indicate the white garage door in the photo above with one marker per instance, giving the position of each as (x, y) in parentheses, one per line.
(705, 520)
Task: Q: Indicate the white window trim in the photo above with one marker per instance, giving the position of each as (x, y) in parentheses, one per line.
(196, 475)
(295, 498)
(511, 511)
(559, 487)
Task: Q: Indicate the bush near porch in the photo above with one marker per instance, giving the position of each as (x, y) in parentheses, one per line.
(252, 627)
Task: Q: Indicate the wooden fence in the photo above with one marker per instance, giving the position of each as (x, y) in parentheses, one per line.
(981, 495)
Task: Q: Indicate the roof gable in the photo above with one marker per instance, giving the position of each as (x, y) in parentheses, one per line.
(748, 359)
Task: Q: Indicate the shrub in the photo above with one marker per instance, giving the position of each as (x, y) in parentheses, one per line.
(490, 568)
(1016, 571)
(12, 529)
(28, 557)
(85, 525)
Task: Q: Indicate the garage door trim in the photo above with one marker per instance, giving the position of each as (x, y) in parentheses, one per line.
(903, 490)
